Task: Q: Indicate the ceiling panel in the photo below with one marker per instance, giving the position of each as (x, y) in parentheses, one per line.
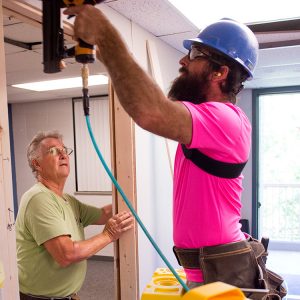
(157, 16)
(11, 49)
(175, 40)
(276, 67)
(277, 36)
(24, 60)
(23, 32)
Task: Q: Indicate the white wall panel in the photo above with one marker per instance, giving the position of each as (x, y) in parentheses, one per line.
(154, 178)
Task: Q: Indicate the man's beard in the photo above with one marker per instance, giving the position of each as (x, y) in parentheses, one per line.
(190, 88)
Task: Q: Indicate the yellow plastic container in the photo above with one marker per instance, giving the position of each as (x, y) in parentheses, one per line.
(215, 291)
(164, 285)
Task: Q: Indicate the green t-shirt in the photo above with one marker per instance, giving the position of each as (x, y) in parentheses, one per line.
(42, 216)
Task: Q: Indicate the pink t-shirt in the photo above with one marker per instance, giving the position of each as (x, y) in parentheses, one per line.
(207, 209)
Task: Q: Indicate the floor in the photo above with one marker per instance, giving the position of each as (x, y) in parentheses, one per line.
(287, 264)
(99, 281)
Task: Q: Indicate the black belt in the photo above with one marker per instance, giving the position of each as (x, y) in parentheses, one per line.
(187, 258)
(190, 258)
(32, 297)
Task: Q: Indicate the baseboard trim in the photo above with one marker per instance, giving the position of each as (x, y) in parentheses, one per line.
(101, 258)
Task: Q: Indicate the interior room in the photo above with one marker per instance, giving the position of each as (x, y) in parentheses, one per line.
(142, 162)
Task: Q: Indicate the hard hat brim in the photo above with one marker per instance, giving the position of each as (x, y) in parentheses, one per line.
(187, 44)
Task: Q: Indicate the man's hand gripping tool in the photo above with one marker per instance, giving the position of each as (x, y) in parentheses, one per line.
(54, 50)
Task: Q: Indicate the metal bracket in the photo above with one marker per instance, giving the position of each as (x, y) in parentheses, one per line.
(10, 223)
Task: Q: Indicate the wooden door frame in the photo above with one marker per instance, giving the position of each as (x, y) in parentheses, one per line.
(123, 165)
(10, 290)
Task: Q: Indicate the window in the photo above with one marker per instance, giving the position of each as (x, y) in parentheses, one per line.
(90, 174)
(277, 184)
(278, 167)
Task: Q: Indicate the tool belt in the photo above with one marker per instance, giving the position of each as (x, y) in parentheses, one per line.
(241, 264)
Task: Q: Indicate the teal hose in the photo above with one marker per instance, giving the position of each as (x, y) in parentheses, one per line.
(113, 179)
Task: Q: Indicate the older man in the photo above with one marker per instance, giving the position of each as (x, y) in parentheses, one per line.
(51, 247)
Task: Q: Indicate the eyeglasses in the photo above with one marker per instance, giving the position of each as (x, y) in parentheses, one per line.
(54, 151)
(196, 53)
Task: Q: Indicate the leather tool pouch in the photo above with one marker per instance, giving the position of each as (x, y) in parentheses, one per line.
(241, 264)
(232, 263)
(272, 281)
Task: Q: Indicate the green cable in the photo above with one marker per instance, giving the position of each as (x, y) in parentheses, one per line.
(113, 179)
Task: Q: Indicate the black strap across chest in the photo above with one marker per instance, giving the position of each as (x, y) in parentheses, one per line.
(212, 166)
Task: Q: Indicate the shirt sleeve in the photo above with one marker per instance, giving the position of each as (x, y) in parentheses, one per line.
(217, 130)
(44, 218)
(88, 214)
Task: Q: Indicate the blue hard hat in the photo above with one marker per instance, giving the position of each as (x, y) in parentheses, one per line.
(231, 38)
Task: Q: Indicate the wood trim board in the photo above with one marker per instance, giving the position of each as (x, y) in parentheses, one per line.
(10, 290)
(123, 164)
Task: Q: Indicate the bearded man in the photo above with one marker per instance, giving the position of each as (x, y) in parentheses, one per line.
(214, 137)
